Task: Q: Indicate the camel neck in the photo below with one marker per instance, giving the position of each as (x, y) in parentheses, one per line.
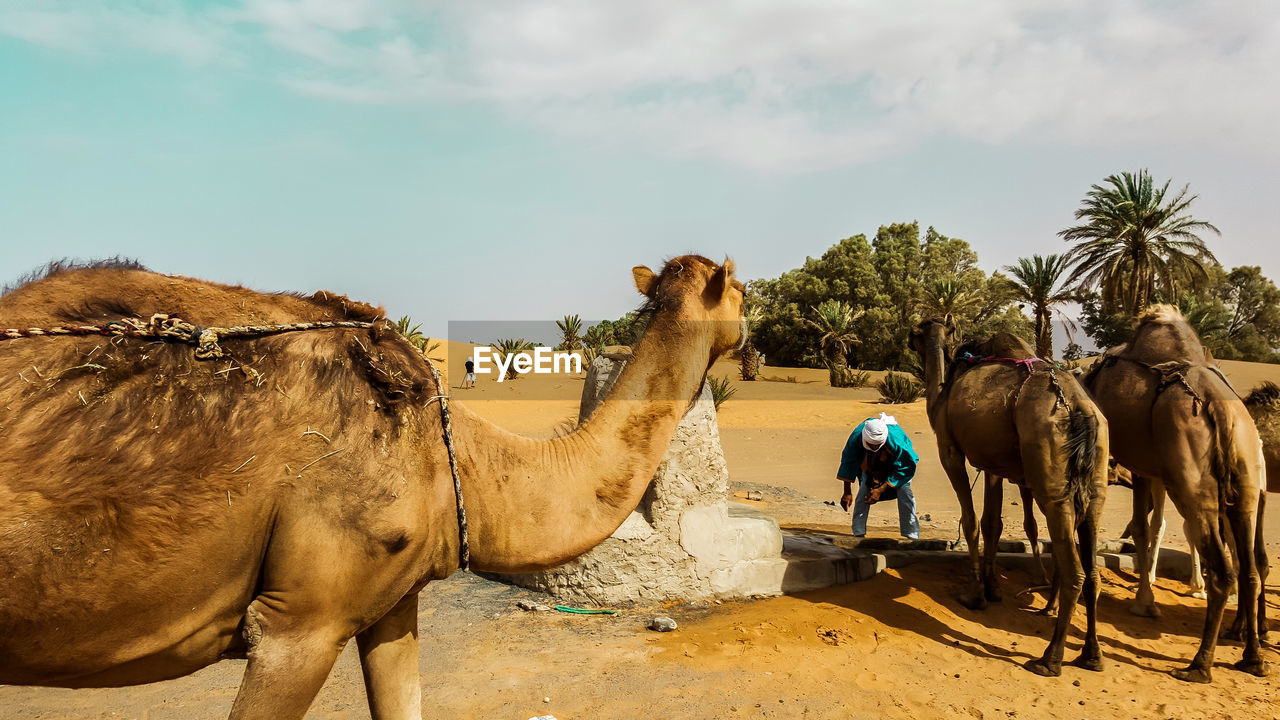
(534, 504)
(934, 370)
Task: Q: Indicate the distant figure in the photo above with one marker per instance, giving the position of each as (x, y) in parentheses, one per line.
(469, 381)
(879, 455)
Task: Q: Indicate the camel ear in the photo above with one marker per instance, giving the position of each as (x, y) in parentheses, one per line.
(646, 280)
(950, 322)
(720, 281)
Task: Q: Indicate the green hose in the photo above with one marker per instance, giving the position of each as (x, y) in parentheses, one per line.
(586, 611)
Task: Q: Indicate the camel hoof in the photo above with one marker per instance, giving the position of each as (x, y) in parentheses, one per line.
(1150, 611)
(1042, 668)
(1193, 674)
(1200, 595)
(1257, 668)
(973, 601)
(1089, 663)
(993, 594)
(1233, 633)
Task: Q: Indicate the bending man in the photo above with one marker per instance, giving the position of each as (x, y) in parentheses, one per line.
(880, 457)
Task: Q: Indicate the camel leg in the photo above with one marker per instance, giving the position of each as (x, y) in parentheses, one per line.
(1196, 581)
(1091, 654)
(1156, 530)
(1243, 522)
(992, 528)
(1033, 532)
(1260, 560)
(973, 596)
(1264, 568)
(1139, 524)
(288, 662)
(1070, 576)
(389, 659)
(1208, 540)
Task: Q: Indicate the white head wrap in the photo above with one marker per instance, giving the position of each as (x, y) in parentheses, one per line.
(875, 431)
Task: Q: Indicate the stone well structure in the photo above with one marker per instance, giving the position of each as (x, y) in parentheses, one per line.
(685, 540)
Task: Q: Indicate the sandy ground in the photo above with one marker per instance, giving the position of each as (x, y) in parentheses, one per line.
(896, 646)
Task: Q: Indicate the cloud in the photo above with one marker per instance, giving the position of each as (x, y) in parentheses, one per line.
(789, 87)
(99, 29)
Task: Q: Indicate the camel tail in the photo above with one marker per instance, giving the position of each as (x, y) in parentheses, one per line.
(1221, 459)
(1082, 451)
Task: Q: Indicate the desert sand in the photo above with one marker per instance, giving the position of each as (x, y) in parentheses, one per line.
(897, 646)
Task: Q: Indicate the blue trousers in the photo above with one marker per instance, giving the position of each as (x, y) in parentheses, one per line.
(907, 523)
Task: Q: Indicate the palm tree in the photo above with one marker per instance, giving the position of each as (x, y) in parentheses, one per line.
(570, 332)
(409, 329)
(1035, 282)
(834, 319)
(749, 355)
(945, 297)
(1133, 241)
(413, 333)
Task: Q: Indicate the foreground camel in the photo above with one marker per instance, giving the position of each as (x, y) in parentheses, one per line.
(159, 512)
(1039, 429)
(1174, 417)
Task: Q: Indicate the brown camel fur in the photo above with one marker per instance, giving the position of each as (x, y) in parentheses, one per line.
(1263, 403)
(158, 512)
(1040, 430)
(1174, 417)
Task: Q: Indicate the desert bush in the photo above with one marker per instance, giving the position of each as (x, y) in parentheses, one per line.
(899, 388)
(859, 378)
(511, 346)
(721, 390)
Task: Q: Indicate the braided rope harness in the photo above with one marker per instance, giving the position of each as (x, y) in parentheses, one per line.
(1028, 364)
(205, 339)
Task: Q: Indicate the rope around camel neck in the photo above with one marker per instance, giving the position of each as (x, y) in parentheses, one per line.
(166, 327)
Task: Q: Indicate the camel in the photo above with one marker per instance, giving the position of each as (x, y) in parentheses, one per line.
(1263, 403)
(160, 512)
(1039, 429)
(1174, 417)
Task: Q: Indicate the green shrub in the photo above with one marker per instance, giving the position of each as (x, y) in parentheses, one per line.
(899, 388)
(721, 390)
(845, 377)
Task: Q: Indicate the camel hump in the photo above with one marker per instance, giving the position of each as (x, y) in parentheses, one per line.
(1000, 345)
(109, 290)
(1161, 333)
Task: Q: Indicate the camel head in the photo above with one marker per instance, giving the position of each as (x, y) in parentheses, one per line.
(695, 291)
(932, 334)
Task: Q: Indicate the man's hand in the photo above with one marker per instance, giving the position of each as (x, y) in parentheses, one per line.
(873, 496)
(845, 501)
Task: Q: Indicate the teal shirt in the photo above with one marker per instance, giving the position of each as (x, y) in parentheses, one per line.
(901, 458)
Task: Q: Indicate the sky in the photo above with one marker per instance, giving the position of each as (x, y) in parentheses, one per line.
(503, 160)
